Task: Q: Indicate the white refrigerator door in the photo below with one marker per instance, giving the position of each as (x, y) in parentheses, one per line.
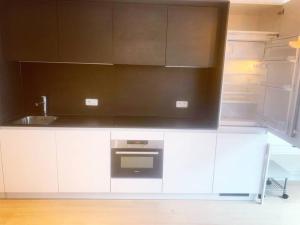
(281, 102)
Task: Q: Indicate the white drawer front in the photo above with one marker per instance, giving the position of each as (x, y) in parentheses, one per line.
(137, 135)
(136, 185)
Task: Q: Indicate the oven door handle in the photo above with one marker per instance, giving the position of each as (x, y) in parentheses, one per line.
(135, 153)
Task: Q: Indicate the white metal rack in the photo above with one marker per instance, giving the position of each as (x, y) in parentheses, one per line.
(277, 180)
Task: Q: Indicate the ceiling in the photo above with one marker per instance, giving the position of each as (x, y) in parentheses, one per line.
(265, 2)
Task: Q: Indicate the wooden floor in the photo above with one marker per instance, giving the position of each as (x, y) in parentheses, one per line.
(275, 211)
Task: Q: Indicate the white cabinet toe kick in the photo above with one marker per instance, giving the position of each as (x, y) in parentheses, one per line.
(78, 163)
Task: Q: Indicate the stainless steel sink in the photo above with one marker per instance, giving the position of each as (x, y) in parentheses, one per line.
(35, 120)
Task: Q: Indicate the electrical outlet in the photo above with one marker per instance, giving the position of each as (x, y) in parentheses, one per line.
(182, 104)
(91, 102)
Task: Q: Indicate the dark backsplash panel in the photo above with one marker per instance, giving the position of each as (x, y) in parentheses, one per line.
(11, 104)
(121, 90)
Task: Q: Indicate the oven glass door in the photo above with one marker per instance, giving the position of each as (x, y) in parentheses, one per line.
(136, 163)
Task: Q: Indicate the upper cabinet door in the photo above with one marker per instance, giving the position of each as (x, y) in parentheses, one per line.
(31, 30)
(139, 34)
(191, 36)
(85, 31)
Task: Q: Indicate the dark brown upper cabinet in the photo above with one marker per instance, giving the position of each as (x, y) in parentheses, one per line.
(192, 35)
(85, 31)
(30, 30)
(139, 34)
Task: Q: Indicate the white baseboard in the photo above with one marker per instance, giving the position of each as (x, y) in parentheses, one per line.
(116, 196)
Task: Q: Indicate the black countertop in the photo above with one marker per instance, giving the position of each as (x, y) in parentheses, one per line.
(124, 122)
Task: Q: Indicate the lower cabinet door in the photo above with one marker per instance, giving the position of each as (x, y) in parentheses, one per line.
(83, 160)
(29, 160)
(239, 163)
(189, 162)
(136, 186)
(1, 175)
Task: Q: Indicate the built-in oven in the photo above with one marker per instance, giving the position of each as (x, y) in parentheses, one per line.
(136, 159)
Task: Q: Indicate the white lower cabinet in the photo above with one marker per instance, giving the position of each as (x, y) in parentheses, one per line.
(239, 162)
(136, 186)
(29, 160)
(189, 162)
(137, 134)
(1, 175)
(83, 160)
(45, 160)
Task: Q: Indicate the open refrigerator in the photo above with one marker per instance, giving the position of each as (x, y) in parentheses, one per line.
(260, 82)
(260, 88)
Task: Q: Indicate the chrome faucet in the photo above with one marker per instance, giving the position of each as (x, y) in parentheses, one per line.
(44, 103)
